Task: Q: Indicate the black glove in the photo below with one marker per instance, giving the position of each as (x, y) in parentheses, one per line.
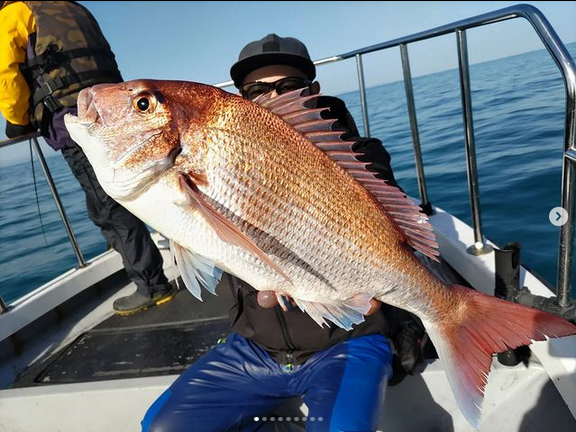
(13, 131)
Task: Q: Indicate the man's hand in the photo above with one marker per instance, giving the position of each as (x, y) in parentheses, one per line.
(374, 306)
(13, 131)
(269, 299)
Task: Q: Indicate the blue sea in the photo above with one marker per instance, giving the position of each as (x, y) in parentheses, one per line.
(518, 110)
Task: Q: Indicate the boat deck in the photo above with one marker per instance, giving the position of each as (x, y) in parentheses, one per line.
(128, 361)
(163, 340)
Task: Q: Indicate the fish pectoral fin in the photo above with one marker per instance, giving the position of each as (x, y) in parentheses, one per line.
(342, 314)
(195, 270)
(225, 230)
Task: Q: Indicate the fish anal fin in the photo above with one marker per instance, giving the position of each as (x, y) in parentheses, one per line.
(343, 314)
(225, 230)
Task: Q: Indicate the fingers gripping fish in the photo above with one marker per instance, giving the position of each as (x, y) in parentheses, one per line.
(268, 192)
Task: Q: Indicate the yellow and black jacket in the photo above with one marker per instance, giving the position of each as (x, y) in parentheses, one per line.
(49, 51)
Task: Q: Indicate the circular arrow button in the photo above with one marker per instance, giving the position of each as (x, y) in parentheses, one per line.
(558, 216)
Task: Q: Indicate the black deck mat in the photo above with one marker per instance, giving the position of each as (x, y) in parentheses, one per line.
(130, 353)
(162, 340)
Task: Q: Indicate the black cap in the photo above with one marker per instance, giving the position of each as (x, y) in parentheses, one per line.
(272, 50)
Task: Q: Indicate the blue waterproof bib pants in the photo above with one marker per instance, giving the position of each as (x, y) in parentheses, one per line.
(237, 383)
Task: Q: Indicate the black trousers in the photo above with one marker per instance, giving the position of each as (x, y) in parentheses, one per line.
(122, 230)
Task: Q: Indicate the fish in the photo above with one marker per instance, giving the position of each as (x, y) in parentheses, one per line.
(268, 192)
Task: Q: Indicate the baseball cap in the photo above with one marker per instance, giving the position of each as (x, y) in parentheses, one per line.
(272, 50)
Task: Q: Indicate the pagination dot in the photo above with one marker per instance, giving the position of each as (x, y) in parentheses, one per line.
(256, 419)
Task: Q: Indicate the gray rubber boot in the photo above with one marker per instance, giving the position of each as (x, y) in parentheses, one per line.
(143, 299)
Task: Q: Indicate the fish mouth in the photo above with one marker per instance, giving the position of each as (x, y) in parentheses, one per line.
(87, 110)
(87, 107)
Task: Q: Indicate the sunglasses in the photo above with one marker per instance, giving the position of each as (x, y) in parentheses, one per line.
(252, 90)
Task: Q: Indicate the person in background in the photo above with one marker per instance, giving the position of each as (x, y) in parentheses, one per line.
(274, 355)
(49, 51)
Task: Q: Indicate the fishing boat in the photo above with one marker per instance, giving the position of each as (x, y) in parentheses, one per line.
(69, 364)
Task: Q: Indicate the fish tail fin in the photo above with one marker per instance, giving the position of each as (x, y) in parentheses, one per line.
(478, 327)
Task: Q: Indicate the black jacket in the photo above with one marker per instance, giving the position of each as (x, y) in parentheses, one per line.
(292, 337)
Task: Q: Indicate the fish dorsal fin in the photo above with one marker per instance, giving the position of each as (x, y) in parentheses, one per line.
(291, 108)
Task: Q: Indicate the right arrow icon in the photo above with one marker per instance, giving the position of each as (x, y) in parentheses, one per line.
(558, 216)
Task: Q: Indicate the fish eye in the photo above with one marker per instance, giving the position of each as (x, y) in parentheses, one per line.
(144, 103)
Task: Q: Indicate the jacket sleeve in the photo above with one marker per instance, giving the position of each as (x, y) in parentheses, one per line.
(17, 24)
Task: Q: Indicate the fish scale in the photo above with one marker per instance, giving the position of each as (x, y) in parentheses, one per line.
(304, 243)
(279, 199)
(295, 196)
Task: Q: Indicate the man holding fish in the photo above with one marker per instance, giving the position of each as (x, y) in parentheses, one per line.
(342, 374)
(272, 192)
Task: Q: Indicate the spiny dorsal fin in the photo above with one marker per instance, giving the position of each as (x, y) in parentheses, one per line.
(409, 219)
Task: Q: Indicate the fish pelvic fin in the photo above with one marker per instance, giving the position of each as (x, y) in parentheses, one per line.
(225, 230)
(292, 107)
(480, 326)
(344, 314)
(195, 270)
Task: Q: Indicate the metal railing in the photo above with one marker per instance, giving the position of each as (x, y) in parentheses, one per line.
(565, 64)
(33, 138)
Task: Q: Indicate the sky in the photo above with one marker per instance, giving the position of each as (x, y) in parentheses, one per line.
(199, 41)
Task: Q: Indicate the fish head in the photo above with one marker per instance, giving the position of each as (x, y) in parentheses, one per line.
(131, 132)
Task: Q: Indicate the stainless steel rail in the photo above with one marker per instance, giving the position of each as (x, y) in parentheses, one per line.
(3, 307)
(34, 139)
(363, 101)
(565, 64)
(414, 126)
(479, 247)
(58, 202)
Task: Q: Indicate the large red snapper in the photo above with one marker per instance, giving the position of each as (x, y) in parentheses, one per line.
(270, 194)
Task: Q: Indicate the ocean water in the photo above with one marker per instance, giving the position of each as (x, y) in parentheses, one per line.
(518, 110)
